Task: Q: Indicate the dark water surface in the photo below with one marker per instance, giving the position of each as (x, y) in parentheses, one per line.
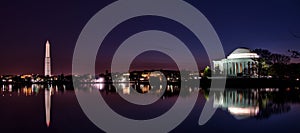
(38, 108)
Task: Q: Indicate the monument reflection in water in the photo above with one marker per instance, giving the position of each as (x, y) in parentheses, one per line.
(48, 94)
(258, 103)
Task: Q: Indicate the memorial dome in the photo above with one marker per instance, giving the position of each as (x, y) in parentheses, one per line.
(241, 53)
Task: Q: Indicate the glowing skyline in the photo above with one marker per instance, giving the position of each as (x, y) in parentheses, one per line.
(25, 27)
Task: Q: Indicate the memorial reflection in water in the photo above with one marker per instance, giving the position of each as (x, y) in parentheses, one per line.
(33, 90)
(258, 103)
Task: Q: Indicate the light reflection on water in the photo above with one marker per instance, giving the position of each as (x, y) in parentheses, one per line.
(258, 103)
(241, 104)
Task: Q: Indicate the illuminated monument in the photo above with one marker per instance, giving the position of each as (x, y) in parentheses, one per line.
(48, 92)
(241, 62)
(47, 60)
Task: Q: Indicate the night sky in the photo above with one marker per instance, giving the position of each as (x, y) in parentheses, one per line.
(26, 25)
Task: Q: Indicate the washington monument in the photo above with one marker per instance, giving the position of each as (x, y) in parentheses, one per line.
(48, 92)
(47, 60)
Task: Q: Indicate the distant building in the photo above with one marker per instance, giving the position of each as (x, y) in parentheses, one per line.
(141, 76)
(241, 62)
(47, 60)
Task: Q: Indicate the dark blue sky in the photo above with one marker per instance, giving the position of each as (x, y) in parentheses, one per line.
(26, 25)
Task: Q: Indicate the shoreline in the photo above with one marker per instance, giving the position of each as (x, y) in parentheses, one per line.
(204, 83)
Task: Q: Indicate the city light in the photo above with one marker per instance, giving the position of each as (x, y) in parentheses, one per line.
(250, 111)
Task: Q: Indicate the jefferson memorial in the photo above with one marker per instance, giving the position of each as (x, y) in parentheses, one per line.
(240, 63)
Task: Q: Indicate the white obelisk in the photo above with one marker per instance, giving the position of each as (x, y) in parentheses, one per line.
(47, 60)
